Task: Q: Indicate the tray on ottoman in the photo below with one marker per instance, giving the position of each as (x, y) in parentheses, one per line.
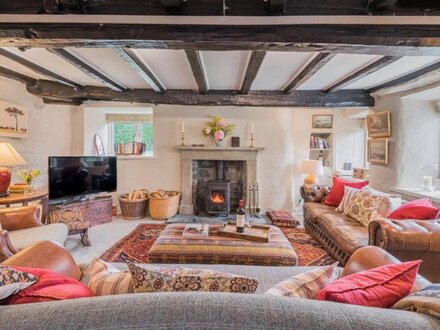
(171, 247)
(256, 233)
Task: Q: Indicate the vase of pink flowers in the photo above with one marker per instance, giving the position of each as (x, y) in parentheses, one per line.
(218, 129)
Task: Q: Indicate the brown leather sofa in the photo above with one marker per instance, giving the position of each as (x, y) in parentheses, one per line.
(407, 240)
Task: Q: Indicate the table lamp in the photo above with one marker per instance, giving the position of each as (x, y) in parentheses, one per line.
(312, 168)
(8, 157)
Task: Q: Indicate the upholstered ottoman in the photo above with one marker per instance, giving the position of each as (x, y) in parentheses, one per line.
(171, 247)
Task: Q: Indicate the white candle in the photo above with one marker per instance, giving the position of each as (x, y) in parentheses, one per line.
(252, 128)
(183, 127)
(427, 182)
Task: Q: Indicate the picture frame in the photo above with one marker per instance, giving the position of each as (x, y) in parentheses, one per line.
(13, 120)
(378, 151)
(320, 121)
(379, 125)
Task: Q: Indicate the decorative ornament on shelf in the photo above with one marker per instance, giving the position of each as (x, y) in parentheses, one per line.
(218, 129)
(28, 176)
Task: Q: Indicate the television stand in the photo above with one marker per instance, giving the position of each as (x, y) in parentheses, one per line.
(94, 211)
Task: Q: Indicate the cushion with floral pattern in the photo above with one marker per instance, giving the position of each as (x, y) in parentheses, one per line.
(13, 280)
(155, 279)
(426, 301)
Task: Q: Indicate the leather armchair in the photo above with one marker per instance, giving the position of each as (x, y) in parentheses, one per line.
(410, 240)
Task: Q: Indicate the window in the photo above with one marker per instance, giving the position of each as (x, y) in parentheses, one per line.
(131, 137)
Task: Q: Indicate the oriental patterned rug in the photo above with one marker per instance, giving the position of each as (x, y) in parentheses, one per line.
(135, 246)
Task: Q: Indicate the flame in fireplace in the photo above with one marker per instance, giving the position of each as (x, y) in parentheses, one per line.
(217, 198)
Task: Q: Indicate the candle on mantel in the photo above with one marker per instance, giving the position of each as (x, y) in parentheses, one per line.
(252, 128)
(183, 127)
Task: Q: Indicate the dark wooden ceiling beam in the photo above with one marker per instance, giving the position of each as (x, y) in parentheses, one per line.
(412, 76)
(134, 61)
(254, 64)
(87, 69)
(36, 68)
(214, 7)
(308, 71)
(10, 74)
(393, 40)
(346, 98)
(196, 64)
(361, 73)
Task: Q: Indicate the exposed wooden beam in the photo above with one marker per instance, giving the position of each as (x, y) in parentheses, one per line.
(196, 64)
(407, 78)
(345, 98)
(308, 71)
(10, 74)
(393, 40)
(133, 60)
(255, 61)
(214, 7)
(361, 73)
(87, 69)
(36, 68)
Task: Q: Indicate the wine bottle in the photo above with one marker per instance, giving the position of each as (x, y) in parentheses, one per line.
(240, 217)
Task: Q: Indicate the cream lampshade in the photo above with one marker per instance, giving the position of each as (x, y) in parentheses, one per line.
(312, 168)
(8, 157)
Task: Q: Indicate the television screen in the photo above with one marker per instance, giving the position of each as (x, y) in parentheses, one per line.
(78, 176)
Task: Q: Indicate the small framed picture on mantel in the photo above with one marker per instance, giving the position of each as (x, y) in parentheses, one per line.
(322, 121)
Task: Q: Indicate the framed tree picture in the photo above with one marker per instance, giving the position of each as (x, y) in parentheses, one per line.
(378, 151)
(379, 125)
(322, 121)
(13, 120)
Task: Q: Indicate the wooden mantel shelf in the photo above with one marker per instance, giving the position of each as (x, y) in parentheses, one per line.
(193, 148)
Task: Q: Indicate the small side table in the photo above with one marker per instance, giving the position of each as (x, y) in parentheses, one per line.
(25, 198)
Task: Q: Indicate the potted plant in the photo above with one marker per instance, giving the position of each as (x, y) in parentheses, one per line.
(218, 129)
(28, 176)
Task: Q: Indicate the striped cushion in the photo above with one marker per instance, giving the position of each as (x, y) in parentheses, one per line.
(348, 195)
(307, 284)
(106, 279)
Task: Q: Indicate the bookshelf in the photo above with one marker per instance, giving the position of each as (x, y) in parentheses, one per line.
(321, 145)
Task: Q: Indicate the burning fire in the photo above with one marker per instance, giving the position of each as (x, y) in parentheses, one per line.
(217, 198)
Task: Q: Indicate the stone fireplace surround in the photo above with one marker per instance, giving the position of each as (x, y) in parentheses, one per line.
(190, 154)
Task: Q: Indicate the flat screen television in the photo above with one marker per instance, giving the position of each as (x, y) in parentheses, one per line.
(75, 177)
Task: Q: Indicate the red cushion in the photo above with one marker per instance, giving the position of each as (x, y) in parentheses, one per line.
(336, 194)
(379, 287)
(419, 209)
(49, 287)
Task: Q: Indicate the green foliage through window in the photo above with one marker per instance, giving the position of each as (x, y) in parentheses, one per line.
(129, 132)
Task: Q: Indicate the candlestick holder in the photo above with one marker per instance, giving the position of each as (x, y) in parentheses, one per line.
(252, 140)
(182, 139)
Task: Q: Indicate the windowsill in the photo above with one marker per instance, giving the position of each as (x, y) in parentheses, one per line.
(414, 193)
(136, 157)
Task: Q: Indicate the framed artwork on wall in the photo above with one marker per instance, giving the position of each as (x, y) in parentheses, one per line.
(378, 151)
(379, 125)
(13, 120)
(322, 121)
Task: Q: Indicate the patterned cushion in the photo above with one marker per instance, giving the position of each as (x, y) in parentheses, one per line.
(155, 279)
(282, 218)
(72, 217)
(106, 279)
(307, 284)
(366, 200)
(348, 195)
(13, 281)
(426, 301)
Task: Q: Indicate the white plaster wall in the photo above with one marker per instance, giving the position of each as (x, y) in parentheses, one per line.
(348, 146)
(49, 128)
(414, 147)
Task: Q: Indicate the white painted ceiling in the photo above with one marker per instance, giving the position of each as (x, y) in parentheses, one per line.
(224, 70)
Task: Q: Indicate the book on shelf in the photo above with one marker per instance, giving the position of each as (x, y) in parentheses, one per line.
(130, 148)
(317, 142)
(196, 230)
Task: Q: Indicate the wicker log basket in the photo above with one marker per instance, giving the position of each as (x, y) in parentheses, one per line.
(164, 204)
(134, 205)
